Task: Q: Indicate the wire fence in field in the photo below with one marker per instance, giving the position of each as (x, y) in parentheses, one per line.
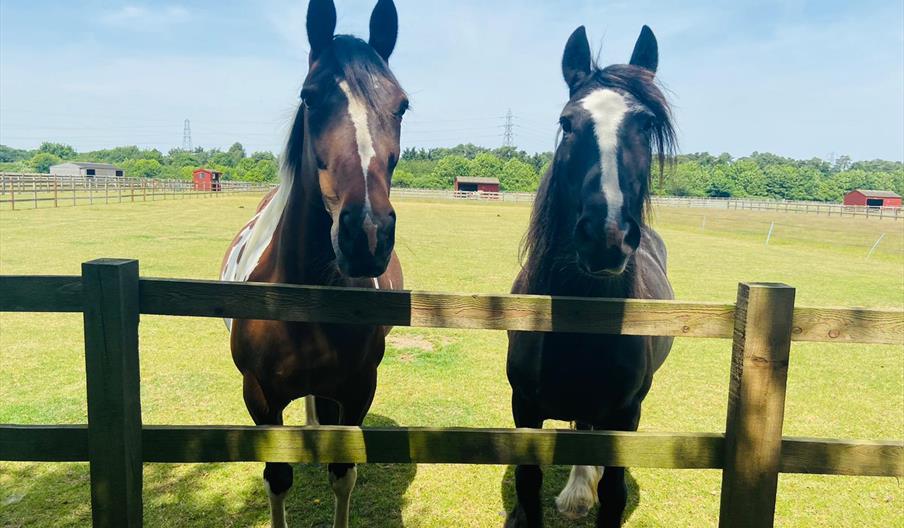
(33, 191)
(859, 235)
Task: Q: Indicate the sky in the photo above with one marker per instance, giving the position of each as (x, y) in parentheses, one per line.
(797, 78)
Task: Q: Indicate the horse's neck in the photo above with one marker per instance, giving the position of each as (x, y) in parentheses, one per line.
(304, 253)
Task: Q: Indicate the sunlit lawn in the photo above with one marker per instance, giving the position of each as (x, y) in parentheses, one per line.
(449, 378)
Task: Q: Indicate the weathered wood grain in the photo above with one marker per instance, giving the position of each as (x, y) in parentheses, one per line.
(756, 405)
(848, 325)
(446, 310)
(69, 443)
(114, 394)
(442, 310)
(843, 457)
(430, 446)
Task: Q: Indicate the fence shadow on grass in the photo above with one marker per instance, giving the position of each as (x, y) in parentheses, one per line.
(205, 495)
(554, 480)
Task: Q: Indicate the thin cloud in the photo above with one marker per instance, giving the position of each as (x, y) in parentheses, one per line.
(143, 18)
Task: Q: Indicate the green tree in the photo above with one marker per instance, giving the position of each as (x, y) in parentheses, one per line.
(142, 168)
(447, 170)
(486, 165)
(518, 176)
(12, 155)
(236, 153)
(42, 161)
(402, 179)
(58, 149)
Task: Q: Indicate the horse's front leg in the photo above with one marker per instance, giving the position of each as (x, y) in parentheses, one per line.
(612, 489)
(528, 511)
(580, 494)
(277, 476)
(355, 402)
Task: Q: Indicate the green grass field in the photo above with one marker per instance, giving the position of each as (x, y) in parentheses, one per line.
(449, 378)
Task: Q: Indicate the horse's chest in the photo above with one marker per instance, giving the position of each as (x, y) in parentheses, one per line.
(301, 353)
(583, 374)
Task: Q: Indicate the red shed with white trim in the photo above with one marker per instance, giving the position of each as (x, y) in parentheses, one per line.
(866, 198)
(207, 180)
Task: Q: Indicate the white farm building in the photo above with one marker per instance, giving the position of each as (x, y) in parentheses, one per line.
(87, 170)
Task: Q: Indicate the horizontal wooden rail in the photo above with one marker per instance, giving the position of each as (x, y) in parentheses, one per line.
(41, 293)
(168, 444)
(435, 310)
(449, 310)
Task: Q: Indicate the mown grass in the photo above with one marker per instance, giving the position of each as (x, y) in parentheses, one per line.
(449, 378)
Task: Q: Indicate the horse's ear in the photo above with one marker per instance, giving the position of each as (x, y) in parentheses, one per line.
(384, 28)
(321, 25)
(646, 51)
(576, 63)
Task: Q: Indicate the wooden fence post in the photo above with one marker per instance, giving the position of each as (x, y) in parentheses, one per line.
(55, 193)
(756, 405)
(114, 400)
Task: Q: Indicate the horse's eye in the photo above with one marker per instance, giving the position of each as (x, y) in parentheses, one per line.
(400, 113)
(566, 125)
(310, 99)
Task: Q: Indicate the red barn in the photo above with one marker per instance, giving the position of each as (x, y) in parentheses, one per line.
(207, 180)
(467, 184)
(872, 198)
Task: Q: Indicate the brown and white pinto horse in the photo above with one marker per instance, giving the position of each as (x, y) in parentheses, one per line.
(330, 222)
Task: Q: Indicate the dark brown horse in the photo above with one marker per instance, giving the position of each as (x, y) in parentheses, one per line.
(588, 237)
(331, 223)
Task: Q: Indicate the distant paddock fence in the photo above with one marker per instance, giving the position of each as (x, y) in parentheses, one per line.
(751, 453)
(445, 194)
(818, 208)
(33, 191)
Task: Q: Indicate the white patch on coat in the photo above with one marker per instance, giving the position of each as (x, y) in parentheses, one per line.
(256, 236)
(608, 108)
(277, 507)
(342, 490)
(580, 494)
(357, 112)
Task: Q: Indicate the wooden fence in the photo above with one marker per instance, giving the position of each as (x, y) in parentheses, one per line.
(752, 451)
(18, 191)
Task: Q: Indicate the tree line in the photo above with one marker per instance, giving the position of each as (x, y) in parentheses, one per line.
(760, 175)
(234, 163)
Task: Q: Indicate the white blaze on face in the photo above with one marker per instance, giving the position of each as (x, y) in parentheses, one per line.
(608, 108)
(357, 112)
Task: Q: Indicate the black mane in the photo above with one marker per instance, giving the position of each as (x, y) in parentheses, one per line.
(540, 254)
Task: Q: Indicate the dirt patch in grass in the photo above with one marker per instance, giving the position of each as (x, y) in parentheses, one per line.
(416, 342)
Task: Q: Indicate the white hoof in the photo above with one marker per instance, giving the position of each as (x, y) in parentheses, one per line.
(579, 495)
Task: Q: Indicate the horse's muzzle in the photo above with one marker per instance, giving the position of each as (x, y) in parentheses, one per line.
(364, 241)
(604, 248)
